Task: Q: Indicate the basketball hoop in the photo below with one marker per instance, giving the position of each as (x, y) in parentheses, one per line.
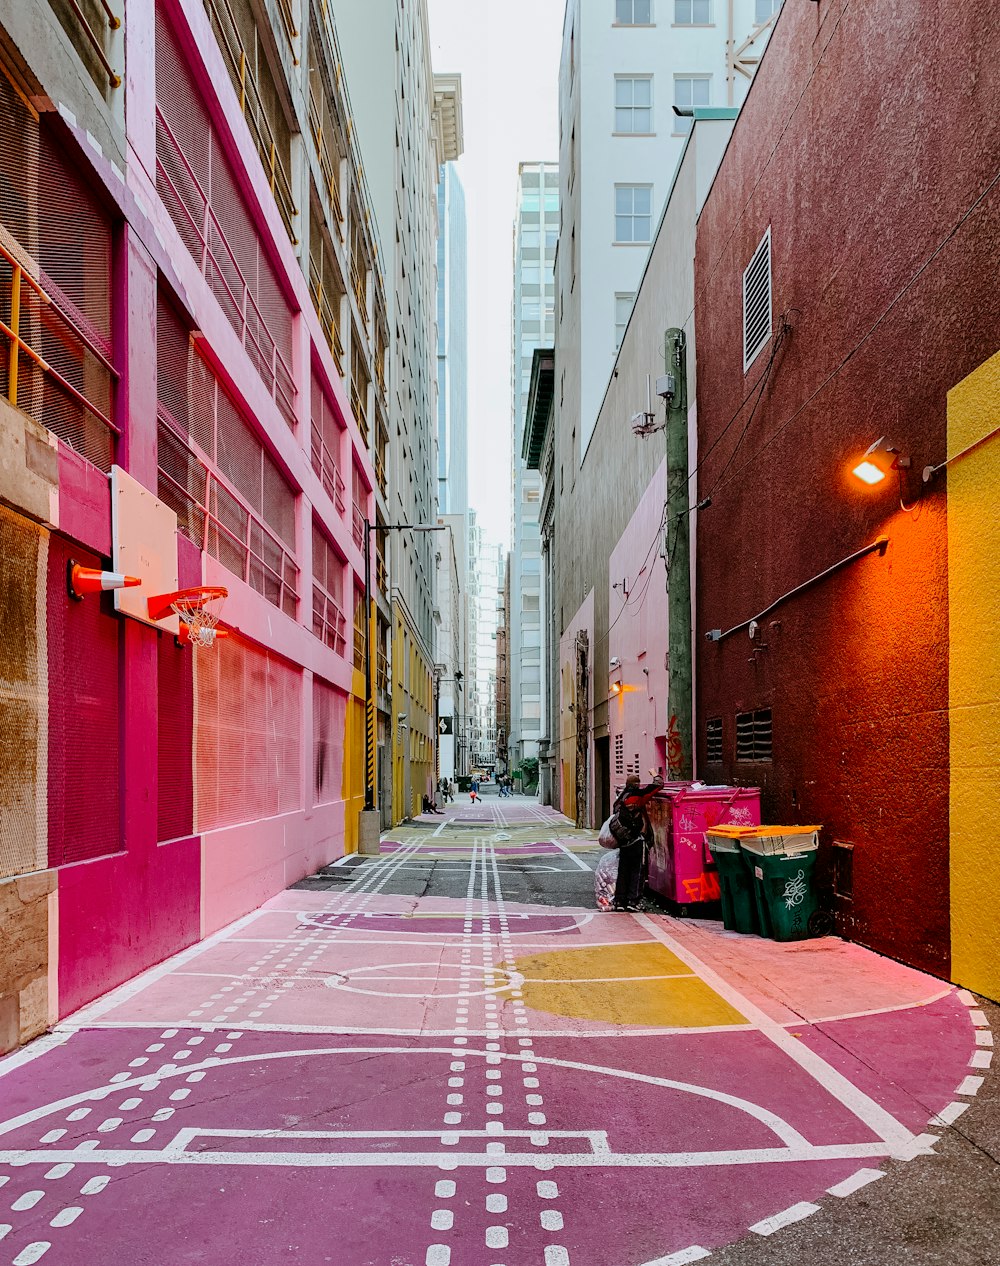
(198, 609)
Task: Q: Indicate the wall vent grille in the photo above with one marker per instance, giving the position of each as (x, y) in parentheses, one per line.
(713, 741)
(757, 302)
(753, 735)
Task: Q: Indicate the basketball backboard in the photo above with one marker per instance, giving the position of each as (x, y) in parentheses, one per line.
(144, 544)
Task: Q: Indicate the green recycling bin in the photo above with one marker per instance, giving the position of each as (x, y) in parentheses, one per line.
(736, 883)
(782, 861)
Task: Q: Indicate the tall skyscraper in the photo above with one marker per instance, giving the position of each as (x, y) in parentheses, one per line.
(625, 65)
(452, 346)
(536, 232)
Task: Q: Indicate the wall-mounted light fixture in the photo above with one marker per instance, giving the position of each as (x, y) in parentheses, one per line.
(878, 460)
(616, 687)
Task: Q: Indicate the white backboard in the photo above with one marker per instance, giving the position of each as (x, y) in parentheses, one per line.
(143, 544)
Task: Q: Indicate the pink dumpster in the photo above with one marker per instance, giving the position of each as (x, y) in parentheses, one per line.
(680, 865)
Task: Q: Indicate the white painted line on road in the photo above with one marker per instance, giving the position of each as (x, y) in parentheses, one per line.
(856, 1181)
(84, 1017)
(981, 1059)
(984, 1037)
(950, 1114)
(967, 998)
(922, 1145)
(970, 1086)
(570, 854)
(795, 1214)
(693, 1254)
(979, 1019)
(40, 1046)
(883, 1123)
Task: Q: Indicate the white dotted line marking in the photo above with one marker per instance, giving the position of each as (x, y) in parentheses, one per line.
(693, 1254)
(796, 1213)
(861, 1178)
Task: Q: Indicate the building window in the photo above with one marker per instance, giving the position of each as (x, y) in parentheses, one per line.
(713, 741)
(690, 91)
(753, 735)
(693, 12)
(634, 12)
(757, 302)
(633, 213)
(764, 9)
(634, 104)
(623, 310)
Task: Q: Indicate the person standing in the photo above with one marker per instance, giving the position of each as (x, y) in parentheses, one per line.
(633, 821)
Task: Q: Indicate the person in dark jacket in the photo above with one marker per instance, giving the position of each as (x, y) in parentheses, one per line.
(633, 821)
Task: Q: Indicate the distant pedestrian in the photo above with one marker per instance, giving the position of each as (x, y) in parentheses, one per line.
(429, 806)
(474, 791)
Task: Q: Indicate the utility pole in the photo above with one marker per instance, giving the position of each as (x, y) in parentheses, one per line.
(680, 763)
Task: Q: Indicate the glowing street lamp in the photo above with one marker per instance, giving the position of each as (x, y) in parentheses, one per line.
(878, 460)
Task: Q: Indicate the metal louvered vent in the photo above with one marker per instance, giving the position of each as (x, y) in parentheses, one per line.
(619, 755)
(757, 301)
(713, 741)
(753, 735)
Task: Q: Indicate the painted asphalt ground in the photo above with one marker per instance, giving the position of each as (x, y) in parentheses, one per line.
(427, 1063)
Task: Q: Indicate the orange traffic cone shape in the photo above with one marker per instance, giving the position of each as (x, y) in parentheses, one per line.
(184, 635)
(84, 580)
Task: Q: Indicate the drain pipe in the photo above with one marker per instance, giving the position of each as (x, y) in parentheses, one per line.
(680, 762)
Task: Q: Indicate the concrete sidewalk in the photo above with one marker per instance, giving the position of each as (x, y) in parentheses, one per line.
(420, 1060)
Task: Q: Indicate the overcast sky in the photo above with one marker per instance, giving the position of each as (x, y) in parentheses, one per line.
(507, 52)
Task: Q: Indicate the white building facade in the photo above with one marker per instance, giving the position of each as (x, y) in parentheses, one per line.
(536, 234)
(625, 65)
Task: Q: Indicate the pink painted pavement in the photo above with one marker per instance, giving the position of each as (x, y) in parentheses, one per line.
(376, 1080)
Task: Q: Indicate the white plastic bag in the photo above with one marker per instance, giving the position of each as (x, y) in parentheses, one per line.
(606, 879)
(606, 839)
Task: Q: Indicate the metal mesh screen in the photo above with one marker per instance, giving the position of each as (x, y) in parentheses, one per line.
(329, 722)
(84, 715)
(174, 740)
(247, 741)
(228, 493)
(202, 195)
(23, 696)
(55, 286)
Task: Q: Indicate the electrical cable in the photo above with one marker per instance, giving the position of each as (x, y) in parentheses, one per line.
(865, 337)
(627, 601)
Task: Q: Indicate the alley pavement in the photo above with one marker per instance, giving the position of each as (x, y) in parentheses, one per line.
(445, 1056)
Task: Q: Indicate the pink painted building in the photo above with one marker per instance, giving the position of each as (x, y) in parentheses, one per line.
(190, 284)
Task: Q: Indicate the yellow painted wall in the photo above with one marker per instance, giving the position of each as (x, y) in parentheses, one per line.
(974, 679)
(354, 762)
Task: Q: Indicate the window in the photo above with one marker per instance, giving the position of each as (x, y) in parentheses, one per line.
(634, 12)
(694, 12)
(713, 741)
(633, 212)
(757, 302)
(623, 310)
(634, 104)
(530, 237)
(753, 735)
(689, 91)
(763, 9)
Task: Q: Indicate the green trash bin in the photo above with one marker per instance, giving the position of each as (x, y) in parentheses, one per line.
(782, 861)
(736, 884)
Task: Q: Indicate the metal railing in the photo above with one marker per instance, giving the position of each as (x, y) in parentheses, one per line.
(329, 165)
(95, 37)
(329, 319)
(359, 403)
(358, 527)
(262, 349)
(329, 621)
(381, 575)
(243, 553)
(381, 671)
(359, 283)
(288, 22)
(325, 466)
(252, 105)
(31, 303)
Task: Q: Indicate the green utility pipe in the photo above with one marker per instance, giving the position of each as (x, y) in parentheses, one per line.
(680, 764)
